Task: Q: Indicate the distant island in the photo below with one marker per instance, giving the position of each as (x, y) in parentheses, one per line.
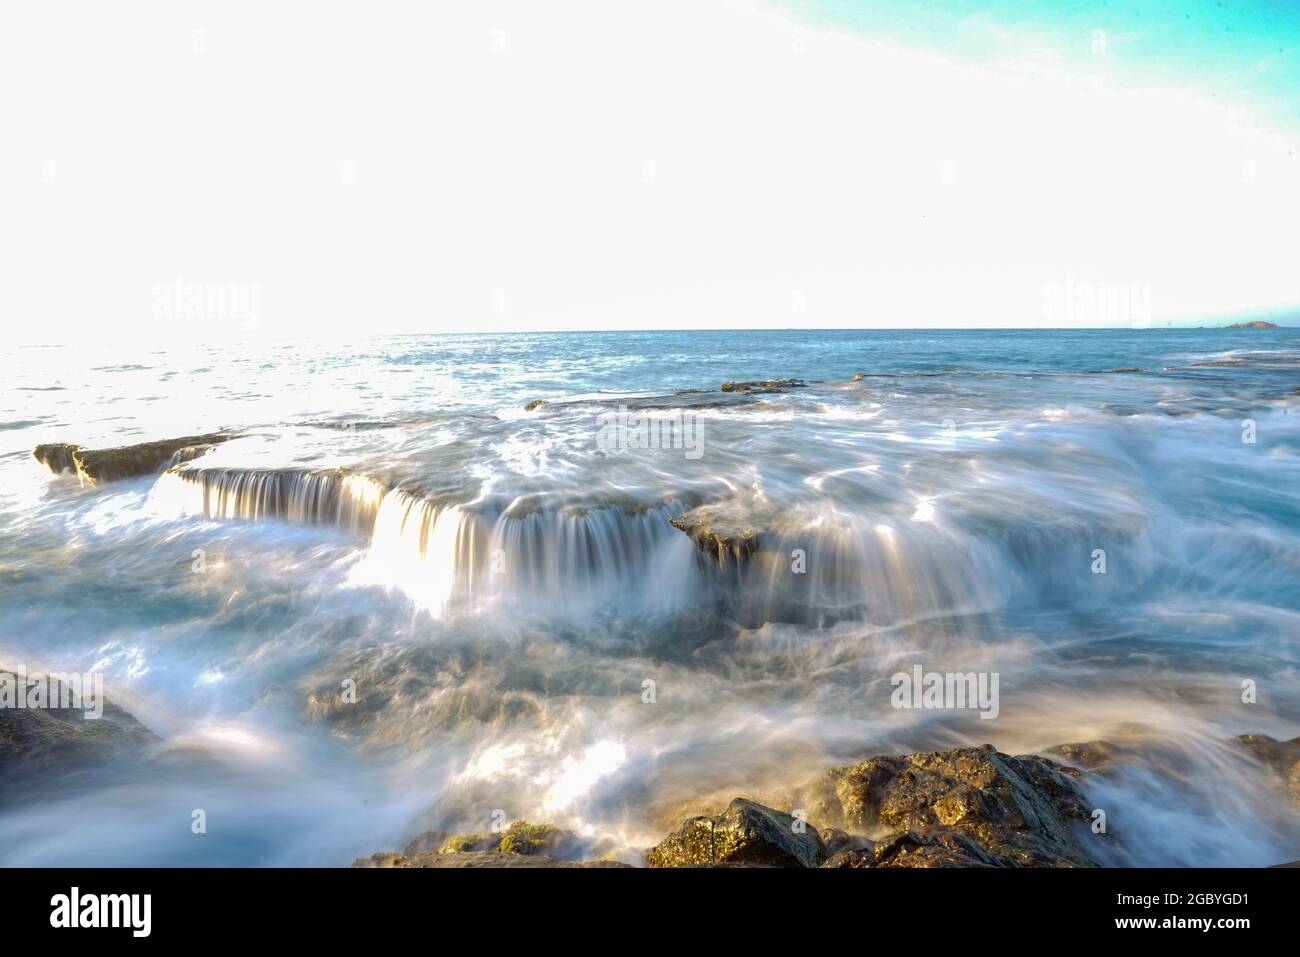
(1256, 324)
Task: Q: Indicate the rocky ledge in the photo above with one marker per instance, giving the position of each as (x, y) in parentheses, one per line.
(719, 536)
(763, 385)
(94, 466)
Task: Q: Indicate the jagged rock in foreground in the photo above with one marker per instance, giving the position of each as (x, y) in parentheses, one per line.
(764, 385)
(960, 807)
(745, 833)
(127, 461)
(968, 807)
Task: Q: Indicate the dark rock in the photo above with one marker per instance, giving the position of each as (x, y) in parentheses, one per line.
(1254, 324)
(536, 403)
(105, 465)
(1017, 810)
(745, 833)
(54, 741)
(837, 840)
(763, 385)
(935, 847)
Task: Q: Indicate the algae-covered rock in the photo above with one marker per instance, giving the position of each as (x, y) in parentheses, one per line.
(524, 838)
(470, 843)
(51, 741)
(1019, 810)
(745, 833)
(127, 461)
(763, 385)
(720, 537)
(535, 404)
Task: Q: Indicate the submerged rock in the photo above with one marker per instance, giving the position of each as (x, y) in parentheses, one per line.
(745, 833)
(764, 385)
(127, 461)
(1015, 811)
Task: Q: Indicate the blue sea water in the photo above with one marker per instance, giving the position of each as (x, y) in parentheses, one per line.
(500, 584)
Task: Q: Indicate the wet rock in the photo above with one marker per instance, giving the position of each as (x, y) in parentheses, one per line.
(1283, 757)
(937, 847)
(545, 839)
(744, 833)
(473, 859)
(763, 385)
(536, 403)
(49, 741)
(56, 456)
(837, 840)
(859, 376)
(1090, 755)
(127, 461)
(724, 539)
(1017, 811)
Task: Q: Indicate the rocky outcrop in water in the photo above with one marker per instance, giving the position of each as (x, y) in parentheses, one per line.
(535, 404)
(763, 385)
(520, 845)
(1254, 324)
(50, 741)
(1017, 811)
(127, 461)
(718, 536)
(745, 833)
(967, 807)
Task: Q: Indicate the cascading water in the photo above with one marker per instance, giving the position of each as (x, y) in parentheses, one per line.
(528, 630)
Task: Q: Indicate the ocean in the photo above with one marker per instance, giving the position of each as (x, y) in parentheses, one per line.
(397, 600)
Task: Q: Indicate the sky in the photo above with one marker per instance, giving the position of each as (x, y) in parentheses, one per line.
(182, 170)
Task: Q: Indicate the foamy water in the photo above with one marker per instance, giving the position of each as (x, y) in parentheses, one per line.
(501, 585)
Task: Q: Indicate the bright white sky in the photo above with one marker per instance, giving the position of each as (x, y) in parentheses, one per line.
(590, 165)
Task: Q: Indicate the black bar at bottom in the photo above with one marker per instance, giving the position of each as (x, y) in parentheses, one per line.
(329, 905)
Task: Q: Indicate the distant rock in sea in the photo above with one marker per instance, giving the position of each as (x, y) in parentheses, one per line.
(94, 466)
(1254, 324)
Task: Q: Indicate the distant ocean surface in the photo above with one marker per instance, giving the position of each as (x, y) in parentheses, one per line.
(1108, 520)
